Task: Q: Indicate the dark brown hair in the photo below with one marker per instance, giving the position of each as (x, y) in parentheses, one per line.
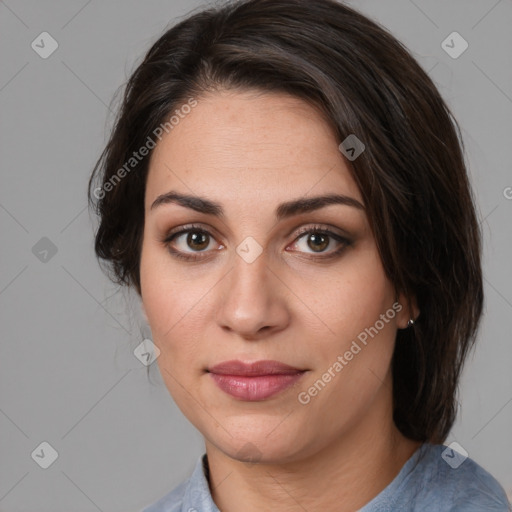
(412, 175)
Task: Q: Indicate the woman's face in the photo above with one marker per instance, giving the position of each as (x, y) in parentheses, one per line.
(257, 286)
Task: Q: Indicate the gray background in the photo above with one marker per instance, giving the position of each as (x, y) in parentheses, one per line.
(68, 375)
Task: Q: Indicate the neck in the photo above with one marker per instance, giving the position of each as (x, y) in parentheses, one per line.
(344, 475)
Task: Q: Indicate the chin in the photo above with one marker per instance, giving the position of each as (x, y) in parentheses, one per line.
(260, 445)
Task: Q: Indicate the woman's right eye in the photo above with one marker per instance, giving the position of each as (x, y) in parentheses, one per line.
(197, 239)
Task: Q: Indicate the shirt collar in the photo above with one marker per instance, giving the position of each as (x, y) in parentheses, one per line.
(197, 497)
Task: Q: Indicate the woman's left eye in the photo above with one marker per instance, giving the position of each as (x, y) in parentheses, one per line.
(316, 239)
(319, 240)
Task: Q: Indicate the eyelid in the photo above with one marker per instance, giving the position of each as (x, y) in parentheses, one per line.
(321, 227)
(192, 256)
(340, 238)
(189, 227)
(343, 240)
(296, 231)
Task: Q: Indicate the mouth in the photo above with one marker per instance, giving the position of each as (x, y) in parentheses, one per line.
(254, 381)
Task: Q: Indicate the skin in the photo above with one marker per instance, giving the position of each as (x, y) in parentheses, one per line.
(251, 151)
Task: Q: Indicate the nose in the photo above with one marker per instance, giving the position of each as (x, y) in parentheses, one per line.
(252, 300)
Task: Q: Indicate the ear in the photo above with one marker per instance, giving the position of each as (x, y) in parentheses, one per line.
(409, 310)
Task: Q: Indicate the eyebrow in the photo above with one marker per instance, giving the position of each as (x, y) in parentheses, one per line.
(284, 210)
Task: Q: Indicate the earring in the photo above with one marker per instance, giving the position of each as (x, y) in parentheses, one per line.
(410, 322)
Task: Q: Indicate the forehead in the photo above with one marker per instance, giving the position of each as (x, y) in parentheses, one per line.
(240, 146)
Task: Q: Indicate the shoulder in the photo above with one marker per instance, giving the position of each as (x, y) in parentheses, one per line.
(192, 494)
(436, 477)
(171, 502)
(453, 482)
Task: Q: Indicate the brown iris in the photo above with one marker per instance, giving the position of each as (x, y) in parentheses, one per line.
(319, 240)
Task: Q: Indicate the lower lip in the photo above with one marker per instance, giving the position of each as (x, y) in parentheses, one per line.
(255, 388)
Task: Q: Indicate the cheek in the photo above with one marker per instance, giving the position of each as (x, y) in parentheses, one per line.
(349, 298)
(176, 305)
(350, 303)
(164, 297)
(170, 307)
(156, 291)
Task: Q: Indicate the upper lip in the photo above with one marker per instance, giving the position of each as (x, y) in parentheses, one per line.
(264, 367)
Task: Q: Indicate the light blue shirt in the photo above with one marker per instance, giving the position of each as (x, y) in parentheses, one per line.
(435, 478)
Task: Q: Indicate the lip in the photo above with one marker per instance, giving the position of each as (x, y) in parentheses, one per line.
(255, 369)
(254, 381)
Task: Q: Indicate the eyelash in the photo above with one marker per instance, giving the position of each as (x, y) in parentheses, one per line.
(345, 242)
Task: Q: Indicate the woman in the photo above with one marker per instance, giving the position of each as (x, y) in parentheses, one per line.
(286, 191)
